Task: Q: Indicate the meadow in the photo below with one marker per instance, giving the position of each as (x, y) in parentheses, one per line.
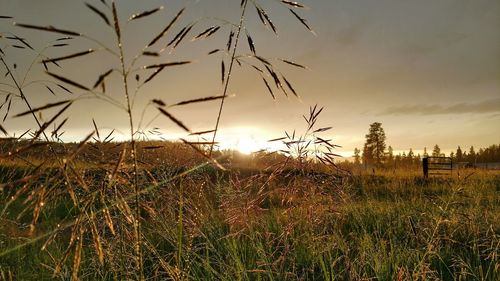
(138, 208)
(256, 224)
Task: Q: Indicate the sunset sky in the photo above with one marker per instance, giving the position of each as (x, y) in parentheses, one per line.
(428, 70)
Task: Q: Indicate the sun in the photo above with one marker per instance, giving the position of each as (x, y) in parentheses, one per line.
(244, 139)
(247, 145)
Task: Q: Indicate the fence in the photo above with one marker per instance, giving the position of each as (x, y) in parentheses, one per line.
(437, 166)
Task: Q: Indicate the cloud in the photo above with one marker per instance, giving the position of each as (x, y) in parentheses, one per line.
(425, 45)
(487, 106)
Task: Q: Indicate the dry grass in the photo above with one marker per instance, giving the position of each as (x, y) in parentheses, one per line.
(99, 209)
(106, 191)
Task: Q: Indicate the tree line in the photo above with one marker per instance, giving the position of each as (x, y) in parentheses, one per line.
(376, 153)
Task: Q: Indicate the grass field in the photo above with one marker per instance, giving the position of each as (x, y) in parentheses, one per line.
(251, 225)
(136, 208)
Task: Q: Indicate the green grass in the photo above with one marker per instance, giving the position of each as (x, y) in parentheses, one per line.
(226, 228)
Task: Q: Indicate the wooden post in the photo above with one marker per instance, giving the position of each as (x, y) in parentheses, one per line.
(425, 166)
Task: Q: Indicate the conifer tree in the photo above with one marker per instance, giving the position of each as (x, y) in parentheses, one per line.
(357, 158)
(436, 152)
(459, 155)
(390, 155)
(374, 148)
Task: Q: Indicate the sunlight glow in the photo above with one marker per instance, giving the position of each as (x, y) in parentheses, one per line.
(247, 145)
(246, 140)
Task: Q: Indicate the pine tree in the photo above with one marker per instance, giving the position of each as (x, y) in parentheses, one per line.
(480, 155)
(459, 155)
(356, 156)
(472, 155)
(373, 150)
(390, 155)
(436, 152)
(410, 157)
(425, 152)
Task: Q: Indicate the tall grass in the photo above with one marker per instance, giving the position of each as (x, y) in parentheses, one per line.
(103, 208)
(385, 227)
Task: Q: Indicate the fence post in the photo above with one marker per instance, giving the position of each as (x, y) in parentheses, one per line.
(425, 166)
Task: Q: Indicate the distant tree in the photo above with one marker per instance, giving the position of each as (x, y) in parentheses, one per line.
(425, 152)
(484, 155)
(373, 150)
(459, 155)
(472, 151)
(472, 155)
(357, 157)
(411, 154)
(397, 159)
(480, 155)
(410, 157)
(390, 155)
(491, 154)
(436, 152)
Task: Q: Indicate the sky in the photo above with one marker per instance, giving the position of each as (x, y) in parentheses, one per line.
(428, 70)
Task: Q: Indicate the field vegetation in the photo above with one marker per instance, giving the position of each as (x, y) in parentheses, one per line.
(251, 224)
(150, 209)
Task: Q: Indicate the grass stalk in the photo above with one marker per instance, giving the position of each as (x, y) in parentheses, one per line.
(23, 96)
(137, 223)
(180, 229)
(230, 70)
